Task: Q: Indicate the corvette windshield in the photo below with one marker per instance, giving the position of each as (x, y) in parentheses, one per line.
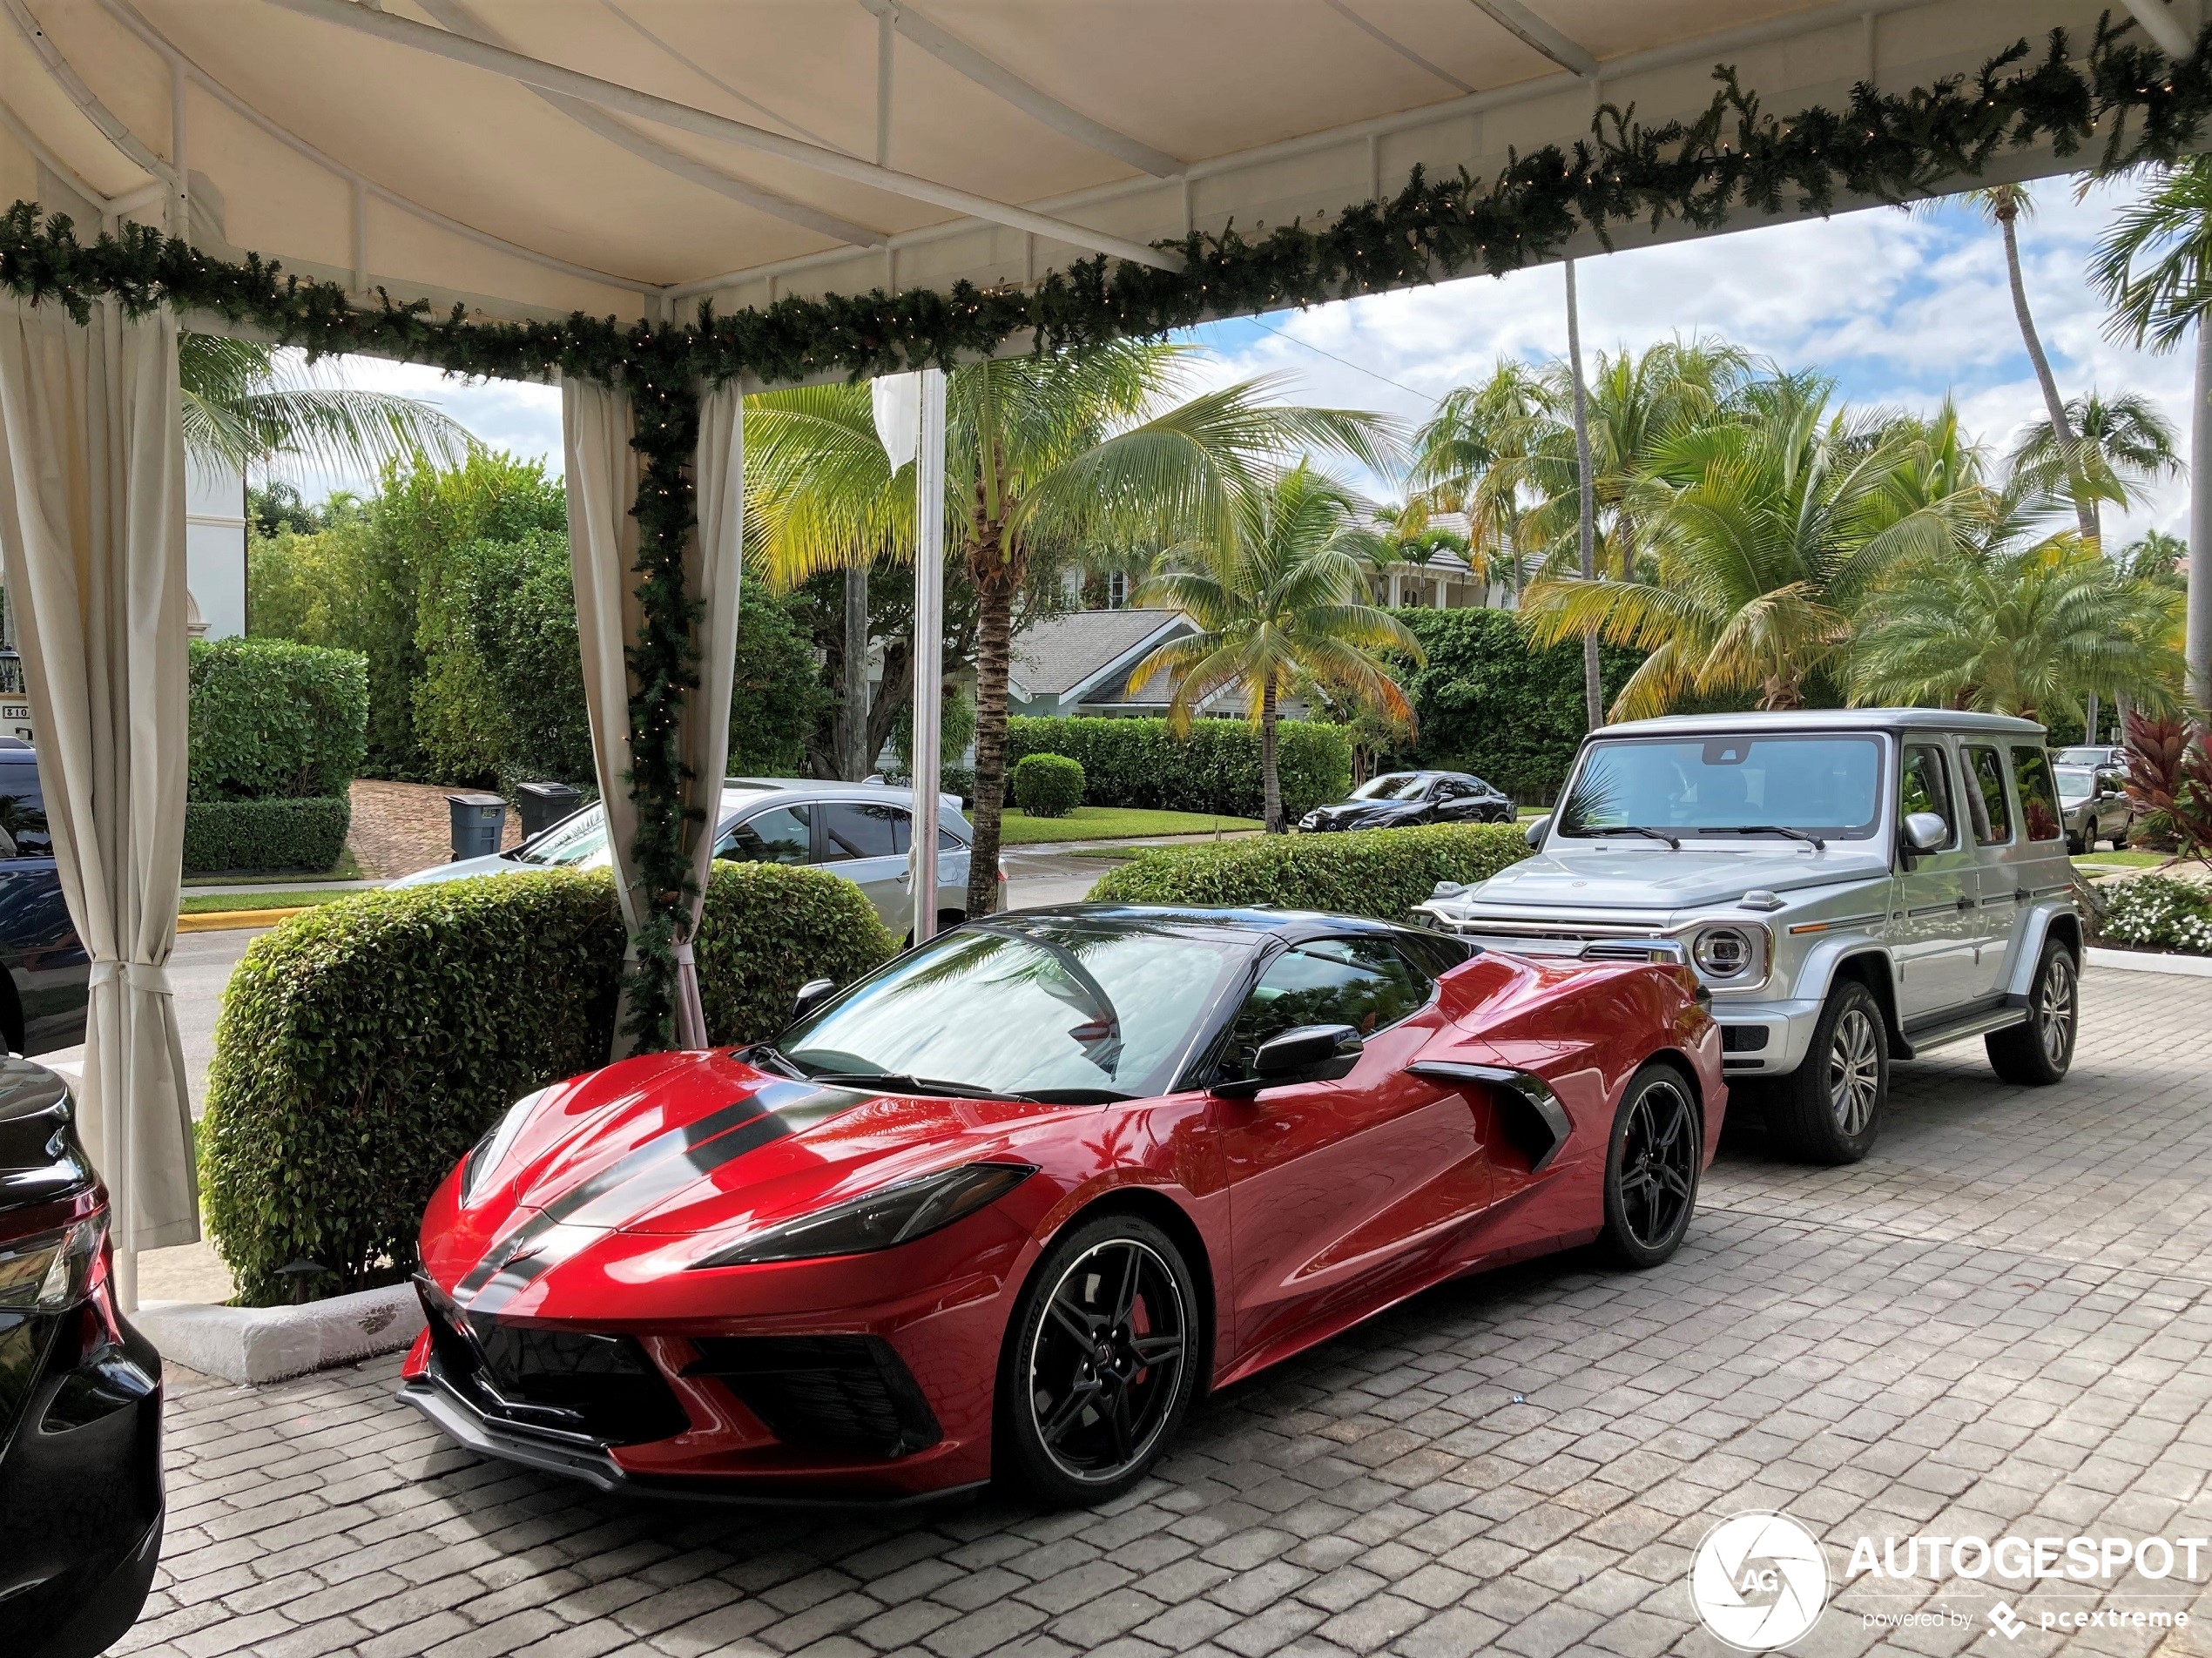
(1393, 785)
(1027, 1007)
(1737, 787)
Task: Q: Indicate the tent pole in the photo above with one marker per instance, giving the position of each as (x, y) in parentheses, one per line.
(928, 648)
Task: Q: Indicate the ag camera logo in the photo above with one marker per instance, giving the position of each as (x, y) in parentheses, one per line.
(1759, 1581)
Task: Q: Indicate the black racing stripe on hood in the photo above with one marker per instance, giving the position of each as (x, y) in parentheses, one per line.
(663, 1165)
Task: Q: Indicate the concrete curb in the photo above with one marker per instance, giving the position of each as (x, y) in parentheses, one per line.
(228, 921)
(257, 1344)
(2188, 967)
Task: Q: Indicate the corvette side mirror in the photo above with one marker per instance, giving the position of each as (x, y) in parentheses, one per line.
(1924, 832)
(811, 995)
(1309, 1054)
(1534, 834)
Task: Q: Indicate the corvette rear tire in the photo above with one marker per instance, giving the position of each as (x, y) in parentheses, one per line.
(2040, 1051)
(1651, 1166)
(1101, 1362)
(1829, 1110)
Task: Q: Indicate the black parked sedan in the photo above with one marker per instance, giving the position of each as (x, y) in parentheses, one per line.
(1398, 798)
(80, 1393)
(43, 990)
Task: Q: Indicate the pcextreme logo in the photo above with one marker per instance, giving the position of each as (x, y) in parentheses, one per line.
(1758, 1580)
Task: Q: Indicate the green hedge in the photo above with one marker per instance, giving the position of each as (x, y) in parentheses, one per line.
(265, 834)
(1047, 785)
(271, 720)
(1488, 704)
(1382, 872)
(365, 1046)
(1214, 769)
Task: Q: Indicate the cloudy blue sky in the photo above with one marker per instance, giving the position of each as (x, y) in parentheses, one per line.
(1900, 309)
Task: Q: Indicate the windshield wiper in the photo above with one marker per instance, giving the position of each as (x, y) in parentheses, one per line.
(902, 1083)
(1812, 841)
(767, 1056)
(1631, 829)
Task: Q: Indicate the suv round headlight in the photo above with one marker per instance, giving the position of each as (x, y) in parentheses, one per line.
(1723, 951)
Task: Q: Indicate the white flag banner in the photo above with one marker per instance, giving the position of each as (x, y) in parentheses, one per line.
(898, 415)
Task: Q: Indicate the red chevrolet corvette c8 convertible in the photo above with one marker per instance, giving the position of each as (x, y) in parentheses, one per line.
(1009, 1203)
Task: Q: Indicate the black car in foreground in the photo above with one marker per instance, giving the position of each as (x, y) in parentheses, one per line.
(42, 991)
(80, 1394)
(1398, 799)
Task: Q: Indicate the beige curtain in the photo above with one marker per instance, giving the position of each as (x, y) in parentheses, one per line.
(92, 538)
(601, 475)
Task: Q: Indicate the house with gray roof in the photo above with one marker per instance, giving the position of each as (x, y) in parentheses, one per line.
(1082, 663)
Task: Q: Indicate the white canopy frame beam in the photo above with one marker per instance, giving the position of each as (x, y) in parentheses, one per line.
(628, 100)
(1766, 32)
(1532, 30)
(111, 125)
(458, 18)
(156, 41)
(110, 207)
(1394, 43)
(2156, 18)
(994, 77)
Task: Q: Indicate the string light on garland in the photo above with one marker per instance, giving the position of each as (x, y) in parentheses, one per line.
(1733, 159)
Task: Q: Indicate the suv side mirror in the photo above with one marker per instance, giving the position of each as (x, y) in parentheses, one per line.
(811, 995)
(1534, 834)
(1925, 831)
(1309, 1054)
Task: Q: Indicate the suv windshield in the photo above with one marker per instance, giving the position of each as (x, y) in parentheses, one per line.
(1734, 787)
(1393, 786)
(2075, 782)
(1028, 1007)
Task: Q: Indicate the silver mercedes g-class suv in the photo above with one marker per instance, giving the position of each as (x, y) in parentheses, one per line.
(1852, 887)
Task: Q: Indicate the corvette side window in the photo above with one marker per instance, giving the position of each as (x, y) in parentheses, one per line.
(1363, 983)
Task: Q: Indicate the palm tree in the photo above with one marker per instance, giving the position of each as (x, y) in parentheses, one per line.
(1471, 457)
(1044, 456)
(1279, 596)
(2155, 268)
(1766, 531)
(2118, 446)
(2004, 205)
(2020, 625)
(246, 409)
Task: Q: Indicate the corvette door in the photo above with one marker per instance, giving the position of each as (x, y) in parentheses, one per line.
(1337, 1187)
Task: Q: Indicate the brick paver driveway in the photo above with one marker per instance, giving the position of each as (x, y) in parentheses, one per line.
(1998, 1323)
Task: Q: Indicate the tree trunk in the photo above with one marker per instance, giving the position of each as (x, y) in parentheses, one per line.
(996, 582)
(1778, 693)
(1593, 683)
(2091, 717)
(853, 723)
(2198, 637)
(1271, 782)
(2055, 407)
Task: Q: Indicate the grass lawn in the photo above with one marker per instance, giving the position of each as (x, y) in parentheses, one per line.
(1017, 828)
(215, 903)
(2096, 861)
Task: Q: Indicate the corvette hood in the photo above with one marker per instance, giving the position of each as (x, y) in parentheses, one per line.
(1631, 878)
(686, 1143)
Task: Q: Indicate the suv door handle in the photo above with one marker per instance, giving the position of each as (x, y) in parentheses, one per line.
(2021, 895)
(1965, 903)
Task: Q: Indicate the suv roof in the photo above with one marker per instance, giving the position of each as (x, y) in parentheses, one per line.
(1824, 719)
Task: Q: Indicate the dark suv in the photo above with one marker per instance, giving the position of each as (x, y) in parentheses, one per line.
(42, 999)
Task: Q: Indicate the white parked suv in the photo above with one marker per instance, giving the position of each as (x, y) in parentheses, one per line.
(1852, 887)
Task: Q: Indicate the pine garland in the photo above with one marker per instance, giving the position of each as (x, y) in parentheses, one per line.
(1886, 147)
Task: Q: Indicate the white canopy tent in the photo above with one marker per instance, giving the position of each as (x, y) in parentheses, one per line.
(627, 159)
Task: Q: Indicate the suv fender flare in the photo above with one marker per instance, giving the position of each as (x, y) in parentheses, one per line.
(1855, 956)
(2047, 920)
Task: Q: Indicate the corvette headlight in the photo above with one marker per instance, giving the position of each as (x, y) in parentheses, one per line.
(878, 1220)
(1725, 953)
(490, 1151)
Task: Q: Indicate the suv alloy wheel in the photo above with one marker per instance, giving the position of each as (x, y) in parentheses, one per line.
(1829, 1109)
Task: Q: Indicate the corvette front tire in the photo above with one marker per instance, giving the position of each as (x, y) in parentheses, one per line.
(1101, 1362)
(1652, 1164)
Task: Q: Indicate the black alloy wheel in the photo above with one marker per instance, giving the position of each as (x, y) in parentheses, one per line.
(1100, 1362)
(1652, 1166)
